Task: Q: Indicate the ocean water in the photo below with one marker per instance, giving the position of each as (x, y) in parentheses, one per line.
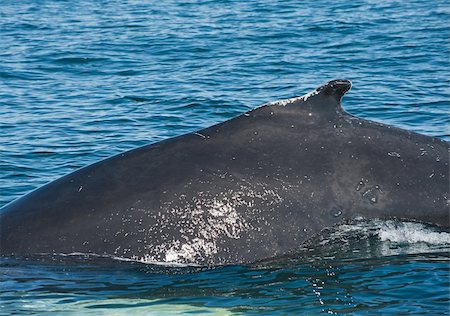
(84, 80)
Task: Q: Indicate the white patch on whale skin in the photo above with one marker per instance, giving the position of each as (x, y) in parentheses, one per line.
(285, 102)
(204, 221)
(189, 251)
(212, 219)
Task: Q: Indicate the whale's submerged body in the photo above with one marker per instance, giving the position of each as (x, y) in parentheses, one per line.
(250, 188)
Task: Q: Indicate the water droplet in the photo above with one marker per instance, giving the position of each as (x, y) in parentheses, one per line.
(360, 185)
(379, 188)
(394, 154)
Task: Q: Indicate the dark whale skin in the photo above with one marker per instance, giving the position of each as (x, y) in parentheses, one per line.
(253, 187)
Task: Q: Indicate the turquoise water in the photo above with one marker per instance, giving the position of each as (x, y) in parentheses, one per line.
(84, 80)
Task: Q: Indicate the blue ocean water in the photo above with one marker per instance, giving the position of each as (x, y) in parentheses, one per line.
(84, 80)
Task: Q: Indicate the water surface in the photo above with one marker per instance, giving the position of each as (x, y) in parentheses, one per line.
(84, 80)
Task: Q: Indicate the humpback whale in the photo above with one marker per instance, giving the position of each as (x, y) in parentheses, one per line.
(251, 188)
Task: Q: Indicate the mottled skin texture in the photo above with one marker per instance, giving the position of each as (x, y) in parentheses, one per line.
(253, 187)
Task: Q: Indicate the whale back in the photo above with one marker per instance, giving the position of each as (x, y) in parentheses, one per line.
(250, 188)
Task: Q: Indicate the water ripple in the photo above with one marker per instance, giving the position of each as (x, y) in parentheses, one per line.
(81, 81)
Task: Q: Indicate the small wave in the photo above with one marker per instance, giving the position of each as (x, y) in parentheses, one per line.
(364, 238)
(393, 231)
(78, 60)
(157, 263)
(97, 257)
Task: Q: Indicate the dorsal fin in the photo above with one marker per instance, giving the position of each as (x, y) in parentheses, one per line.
(328, 96)
(335, 88)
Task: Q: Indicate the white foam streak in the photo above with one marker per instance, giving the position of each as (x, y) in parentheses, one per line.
(145, 260)
(409, 233)
(393, 231)
(141, 260)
